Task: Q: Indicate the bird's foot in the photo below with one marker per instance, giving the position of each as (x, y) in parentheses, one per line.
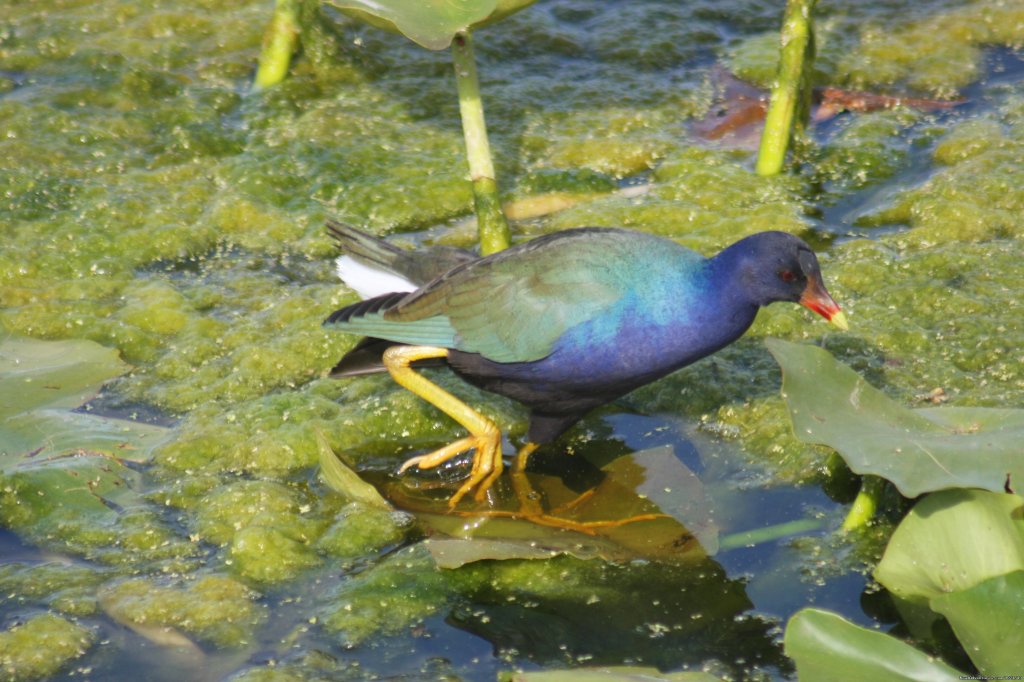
(487, 463)
(531, 508)
(552, 521)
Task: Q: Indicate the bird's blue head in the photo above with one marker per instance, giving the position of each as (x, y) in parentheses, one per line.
(777, 266)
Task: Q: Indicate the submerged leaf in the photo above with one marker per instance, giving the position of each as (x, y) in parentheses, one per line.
(642, 508)
(952, 541)
(40, 382)
(827, 647)
(616, 673)
(342, 480)
(658, 476)
(451, 552)
(919, 451)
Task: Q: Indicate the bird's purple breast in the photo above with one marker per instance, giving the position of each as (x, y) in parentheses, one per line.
(636, 343)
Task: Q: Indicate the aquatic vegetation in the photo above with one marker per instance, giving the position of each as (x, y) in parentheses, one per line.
(973, 197)
(861, 46)
(400, 591)
(958, 554)
(67, 588)
(152, 205)
(789, 108)
(213, 608)
(919, 451)
(437, 26)
(40, 646)
(360, 530)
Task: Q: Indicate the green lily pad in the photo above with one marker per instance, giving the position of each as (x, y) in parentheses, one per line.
(919, 451)
(827, 647)
(62, 469)
(40, 382)
(52, 373)
(988, 619)
(951, 541)
(430, 23)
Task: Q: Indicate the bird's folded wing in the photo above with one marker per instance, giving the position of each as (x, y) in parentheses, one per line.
(431, 331)
(515, 308)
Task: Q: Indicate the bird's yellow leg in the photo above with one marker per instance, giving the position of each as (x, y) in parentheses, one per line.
(529, 500)
(484, 436)
(523, 457)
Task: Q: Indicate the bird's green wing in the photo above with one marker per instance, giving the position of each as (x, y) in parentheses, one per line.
(431, 331)
(513, 306)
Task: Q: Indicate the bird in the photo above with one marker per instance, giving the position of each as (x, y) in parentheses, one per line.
(562, 323)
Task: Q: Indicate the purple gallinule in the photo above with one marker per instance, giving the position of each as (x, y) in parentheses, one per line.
(563, 323)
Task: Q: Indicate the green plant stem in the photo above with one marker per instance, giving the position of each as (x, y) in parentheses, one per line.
(491, 223)
(865, 505)
(761, 535)
(279, 43)
(789, 109)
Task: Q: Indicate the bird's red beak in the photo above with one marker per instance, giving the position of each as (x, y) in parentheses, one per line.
(816, 298)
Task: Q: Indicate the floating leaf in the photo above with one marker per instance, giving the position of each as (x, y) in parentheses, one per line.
(618, 673)
(827, 647)
(55, 374)
(988, 619)
(545, 543)
(342, 480)
(40, 382)
(430, 23)
(952, 541)
(919, 451)
(657, 476)
(63, 469)
(584, 526)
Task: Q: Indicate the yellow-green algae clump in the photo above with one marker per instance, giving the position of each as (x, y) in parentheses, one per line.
(906, 46)
(128, 537)
(214, 608)
(975, 195)
(67, 588)
(704, 198)
(41, 646)
(267, 526)
(399, 592)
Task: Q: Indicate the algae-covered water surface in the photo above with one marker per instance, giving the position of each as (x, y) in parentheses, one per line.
(164, 271)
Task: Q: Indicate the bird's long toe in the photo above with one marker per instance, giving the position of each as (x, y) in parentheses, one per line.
(487, 467)
(440, 456)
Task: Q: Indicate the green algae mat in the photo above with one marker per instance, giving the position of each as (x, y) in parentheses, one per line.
(182, 483)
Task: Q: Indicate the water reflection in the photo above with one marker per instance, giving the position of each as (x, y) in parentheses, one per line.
(642, 612)
(637, 600)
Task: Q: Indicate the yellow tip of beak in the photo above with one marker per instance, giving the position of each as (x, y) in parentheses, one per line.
(839, 320)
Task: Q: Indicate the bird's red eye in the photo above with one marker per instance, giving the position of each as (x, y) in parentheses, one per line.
(787, 276)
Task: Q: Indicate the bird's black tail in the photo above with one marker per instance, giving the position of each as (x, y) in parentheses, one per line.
(418, 266)
(365, 247)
